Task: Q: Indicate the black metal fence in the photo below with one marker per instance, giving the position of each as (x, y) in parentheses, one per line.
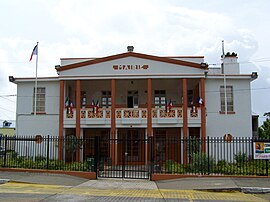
(130, 158)
(42, 152)
(210, 156)
(159, 154)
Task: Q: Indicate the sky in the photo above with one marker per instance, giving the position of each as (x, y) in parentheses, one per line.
(98, 28)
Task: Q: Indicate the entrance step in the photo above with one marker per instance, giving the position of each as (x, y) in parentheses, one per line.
(120, 184)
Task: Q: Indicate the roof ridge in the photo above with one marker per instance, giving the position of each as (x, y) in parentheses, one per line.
(129, 54)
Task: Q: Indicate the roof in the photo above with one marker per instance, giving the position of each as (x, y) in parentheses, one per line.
(31, 79)
(92, 61)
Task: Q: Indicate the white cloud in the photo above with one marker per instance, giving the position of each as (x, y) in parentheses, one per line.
(151, 28)
(90, 28)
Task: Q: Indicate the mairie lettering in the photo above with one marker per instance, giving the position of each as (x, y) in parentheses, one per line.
(130, 67)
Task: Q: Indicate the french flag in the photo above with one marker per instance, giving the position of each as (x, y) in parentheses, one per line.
(200, 100)
(34, 52)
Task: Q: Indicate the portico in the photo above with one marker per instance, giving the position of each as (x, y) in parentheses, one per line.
(131, 95)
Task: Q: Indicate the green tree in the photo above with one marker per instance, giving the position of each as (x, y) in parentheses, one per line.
(264, 129)
(73, 144)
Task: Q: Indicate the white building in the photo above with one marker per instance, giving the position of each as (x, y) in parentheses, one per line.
(137, 95)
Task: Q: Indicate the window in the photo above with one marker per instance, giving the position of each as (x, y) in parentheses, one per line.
(190, 97)
(133, 99)
(106, 100)
(229, 96)
(40, 106)
(160, 98)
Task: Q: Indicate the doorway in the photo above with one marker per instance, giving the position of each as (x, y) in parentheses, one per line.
(130, 150)
(132, 99)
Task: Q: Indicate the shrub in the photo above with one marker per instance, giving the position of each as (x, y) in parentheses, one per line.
(42, 164)
(21, 159)
(222, 163)
(77, 166)
(40, 158)
(241, 157)
(56, 165)
(230, 169)
(220, 166)
(27, 163)
(193, 145)
(201, 163)
(173, 167)
(12, 154)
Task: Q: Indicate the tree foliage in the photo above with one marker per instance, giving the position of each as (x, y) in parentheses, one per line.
(73, 144)
(264, 129)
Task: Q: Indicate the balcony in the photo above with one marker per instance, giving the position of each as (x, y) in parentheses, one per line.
(134, 116)
(131, 116)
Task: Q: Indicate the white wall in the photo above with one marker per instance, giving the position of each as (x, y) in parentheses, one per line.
(155, 68)
(27, 122)
(231, 66)
(238, 124)
(173, 89)
(93, 89)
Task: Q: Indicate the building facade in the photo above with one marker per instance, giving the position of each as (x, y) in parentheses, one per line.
(136, 96)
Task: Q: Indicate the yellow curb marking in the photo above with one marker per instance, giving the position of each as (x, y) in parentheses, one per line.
(162, 193)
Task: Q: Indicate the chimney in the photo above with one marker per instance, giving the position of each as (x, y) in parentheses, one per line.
(230, 64)
(130, 48)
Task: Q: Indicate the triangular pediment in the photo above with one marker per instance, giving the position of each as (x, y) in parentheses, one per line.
(130, 63)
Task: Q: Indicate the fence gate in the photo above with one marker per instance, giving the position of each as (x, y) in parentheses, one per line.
(124, 157)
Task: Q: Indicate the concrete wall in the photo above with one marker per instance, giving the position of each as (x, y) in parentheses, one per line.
(173, 89)
(154, 68)
(231, 66)
(42, 124)
(68, 61)
(93, 89)
(238, 124)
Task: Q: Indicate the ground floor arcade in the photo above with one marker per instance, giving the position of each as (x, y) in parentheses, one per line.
(132, 145)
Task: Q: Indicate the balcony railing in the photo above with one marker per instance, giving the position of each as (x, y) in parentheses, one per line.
(133, 116)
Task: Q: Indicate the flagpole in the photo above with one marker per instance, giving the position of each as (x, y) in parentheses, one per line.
(35, 109)
(224, 78)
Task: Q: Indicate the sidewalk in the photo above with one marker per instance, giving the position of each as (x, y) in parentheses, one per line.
(246, 185)
(41, 178)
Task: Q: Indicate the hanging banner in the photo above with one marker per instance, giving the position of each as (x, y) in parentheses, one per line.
(261, 150)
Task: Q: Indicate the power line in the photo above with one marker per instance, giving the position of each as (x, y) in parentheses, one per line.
(7, 110)
(7, 99)
(206, 91)
(266, 59)
(26, 62)
(248, 61)
(8, 95)
(239, 90)
(7, 114)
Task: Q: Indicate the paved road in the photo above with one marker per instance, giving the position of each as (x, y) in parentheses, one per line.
(214, 183)
(54, 187)
(113, 190)
(42, 178)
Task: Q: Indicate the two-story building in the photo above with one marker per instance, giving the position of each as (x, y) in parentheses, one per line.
(135, 96)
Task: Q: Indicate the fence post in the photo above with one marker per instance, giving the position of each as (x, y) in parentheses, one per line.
(208, 156)
(124, 143)
(48, 151)
(96, 160)
(5, 153)
(267, 167)
(151, 156)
